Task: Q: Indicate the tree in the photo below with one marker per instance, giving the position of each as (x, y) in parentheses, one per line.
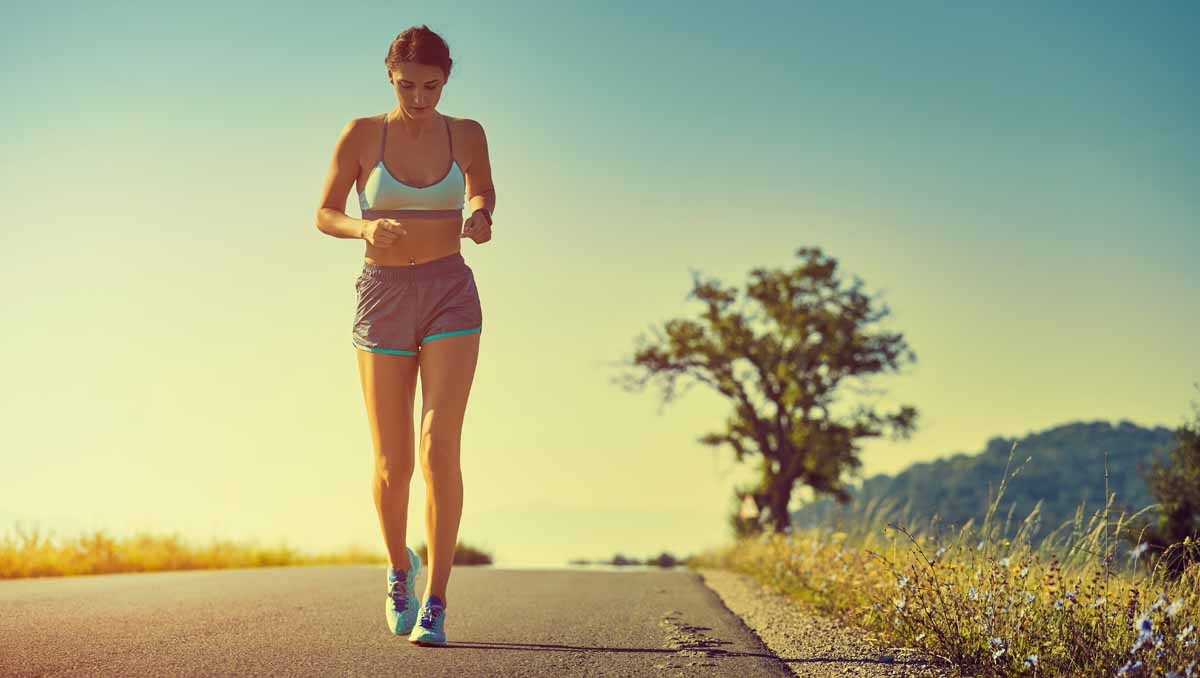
(781, 366)
(1176, 485)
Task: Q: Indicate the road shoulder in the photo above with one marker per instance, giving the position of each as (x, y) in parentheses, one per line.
(812, 645)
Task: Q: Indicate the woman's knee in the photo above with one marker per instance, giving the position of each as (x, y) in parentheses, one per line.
(394, 465)
(440, 453)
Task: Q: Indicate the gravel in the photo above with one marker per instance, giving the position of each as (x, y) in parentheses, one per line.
(810, 644)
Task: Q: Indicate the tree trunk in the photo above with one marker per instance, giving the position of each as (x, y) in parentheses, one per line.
(780, 497)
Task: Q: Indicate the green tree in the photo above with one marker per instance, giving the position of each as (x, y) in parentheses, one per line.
(780, 364)
(1176, 485)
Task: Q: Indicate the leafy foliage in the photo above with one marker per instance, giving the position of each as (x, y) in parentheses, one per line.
(780, 356)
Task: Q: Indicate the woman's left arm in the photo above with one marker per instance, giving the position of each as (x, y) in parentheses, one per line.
(480, 190)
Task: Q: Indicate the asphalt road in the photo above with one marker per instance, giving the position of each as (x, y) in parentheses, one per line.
(329, 620)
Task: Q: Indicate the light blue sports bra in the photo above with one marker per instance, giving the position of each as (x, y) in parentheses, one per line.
(385, 196)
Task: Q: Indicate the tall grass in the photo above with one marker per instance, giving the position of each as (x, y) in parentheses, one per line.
(29, 553)
(987, 603)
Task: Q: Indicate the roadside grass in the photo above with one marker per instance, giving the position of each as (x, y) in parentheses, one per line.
(29, 553)
(990, 604)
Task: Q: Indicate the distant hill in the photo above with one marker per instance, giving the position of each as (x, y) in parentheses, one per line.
(1067, 469)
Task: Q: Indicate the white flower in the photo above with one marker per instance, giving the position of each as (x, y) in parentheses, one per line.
(1174, 608)
(1031, 661)
(1138, 550)
(1004, 561)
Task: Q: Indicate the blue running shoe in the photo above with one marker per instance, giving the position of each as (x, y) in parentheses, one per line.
(429, 629)
(402, 604)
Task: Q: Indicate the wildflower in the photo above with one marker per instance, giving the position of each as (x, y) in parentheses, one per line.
(1024, 571)
(1058, 604)
(1186, 632)
(1030, 661)
(1071, 595)
(1144, 623)
(980, 546)
(1098, 603)
(1029, 597)
(939, 553)
(1174, 608)
(1004, 561)
(918, 638)
(901, 582)
(1159, 602)
(1130, 666)
(972, 594)
(1138, 550)
(899, 602)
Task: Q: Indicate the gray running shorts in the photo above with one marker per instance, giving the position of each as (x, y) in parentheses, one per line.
(401, 307)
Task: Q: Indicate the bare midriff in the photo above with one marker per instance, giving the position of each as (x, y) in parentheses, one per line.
(427, 239)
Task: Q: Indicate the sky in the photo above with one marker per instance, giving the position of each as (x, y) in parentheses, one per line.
(1017, 184)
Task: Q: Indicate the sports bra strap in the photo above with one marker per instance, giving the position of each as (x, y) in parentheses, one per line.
(383, 139)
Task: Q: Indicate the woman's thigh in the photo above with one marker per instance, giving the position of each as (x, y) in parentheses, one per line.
(447, 367)
(389, 387)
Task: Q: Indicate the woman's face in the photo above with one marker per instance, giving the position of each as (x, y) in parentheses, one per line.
(418, 87)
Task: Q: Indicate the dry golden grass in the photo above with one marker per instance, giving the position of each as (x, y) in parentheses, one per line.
(28, 553)
(990, 604)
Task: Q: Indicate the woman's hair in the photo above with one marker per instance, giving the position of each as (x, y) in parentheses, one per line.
(422, 45)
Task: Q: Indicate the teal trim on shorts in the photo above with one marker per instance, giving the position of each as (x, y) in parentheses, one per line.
(384, 350)
(451, 334)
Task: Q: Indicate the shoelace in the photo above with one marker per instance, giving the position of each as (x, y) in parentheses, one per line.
(428, 614)
(399, 594)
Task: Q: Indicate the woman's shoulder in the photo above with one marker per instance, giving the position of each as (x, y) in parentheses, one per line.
(357, 130)
(464, 124)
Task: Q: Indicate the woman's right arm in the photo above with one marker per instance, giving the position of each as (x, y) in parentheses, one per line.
(343, 170)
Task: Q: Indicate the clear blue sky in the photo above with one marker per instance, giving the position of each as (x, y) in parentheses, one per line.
(1018, 184)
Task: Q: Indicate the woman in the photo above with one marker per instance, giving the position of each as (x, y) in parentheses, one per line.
(418, 307)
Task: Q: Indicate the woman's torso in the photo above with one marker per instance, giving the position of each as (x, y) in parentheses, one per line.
(417, 164)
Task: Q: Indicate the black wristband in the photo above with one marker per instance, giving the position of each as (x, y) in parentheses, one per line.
(486, 215)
